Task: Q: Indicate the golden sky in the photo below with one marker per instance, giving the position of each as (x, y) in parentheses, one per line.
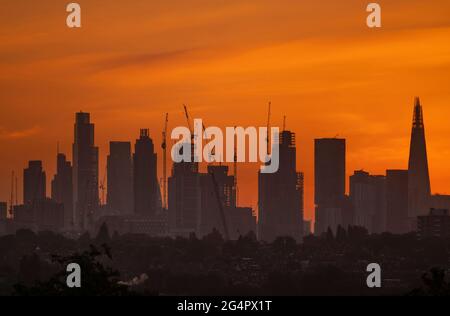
(317, 62)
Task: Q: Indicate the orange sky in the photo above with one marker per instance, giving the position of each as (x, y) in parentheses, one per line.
(316, 61)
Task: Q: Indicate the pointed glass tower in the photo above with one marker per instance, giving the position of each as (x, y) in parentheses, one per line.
(418, 177)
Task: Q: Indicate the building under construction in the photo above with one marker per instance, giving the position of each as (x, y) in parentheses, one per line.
(280, 196)
(184, 197)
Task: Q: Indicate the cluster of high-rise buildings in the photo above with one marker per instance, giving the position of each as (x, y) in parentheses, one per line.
(398, 201)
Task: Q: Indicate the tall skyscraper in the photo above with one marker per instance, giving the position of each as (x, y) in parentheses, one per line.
(280, 196)
(85, 172)
(329, 185)
(419, 191)
(62, 189)
(397, 201)
(120, 177)
(184, 197)
(368, 196)
(145, 176)
(210, 217)
(34, 182)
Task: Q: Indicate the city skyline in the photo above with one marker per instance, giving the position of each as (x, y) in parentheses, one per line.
(318, 63)
(338, 148)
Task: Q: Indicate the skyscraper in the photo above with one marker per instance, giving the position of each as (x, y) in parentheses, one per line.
(120, 177)
(85, 171)
(329, 185)
(62, 188)
(419, 191)
(397, 201)
(368, 196)
(184, 197)
(145, 176)
(210, 217)
(34, 182)
(280, 195)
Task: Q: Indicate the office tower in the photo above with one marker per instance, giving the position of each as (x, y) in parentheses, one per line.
(3, 211)
(280, 196)
(85, 172)
(210, 217)
(241, 221)
(440, 201)
(144, 176)
(120, 178)
(329, 186)
(41, 215)
(62, 188)
(347, 212)
(34, 182)
(436, 224)
(368, 196)
(307, 225)
(184, 198)
(397, 201)
(419, 180)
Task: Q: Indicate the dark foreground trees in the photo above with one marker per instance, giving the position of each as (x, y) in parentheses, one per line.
(97, 278)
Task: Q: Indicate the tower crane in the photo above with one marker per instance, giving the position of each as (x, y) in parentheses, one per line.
(186, 113)
(102, 187)
(235, 172)
(164, 148)
(11, 204)
(268, 127)
(215, 184)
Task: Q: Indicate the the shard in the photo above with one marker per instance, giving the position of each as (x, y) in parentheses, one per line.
(418, 177)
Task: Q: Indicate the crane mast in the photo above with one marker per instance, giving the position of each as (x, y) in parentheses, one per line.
(214, 180)
(164, 147)
(268, 127)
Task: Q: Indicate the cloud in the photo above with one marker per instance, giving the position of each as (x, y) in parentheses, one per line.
(132, 60)
(18, 134)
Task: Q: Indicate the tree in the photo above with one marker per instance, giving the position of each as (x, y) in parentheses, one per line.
(103, 234)
(434, 283)
(96, 279)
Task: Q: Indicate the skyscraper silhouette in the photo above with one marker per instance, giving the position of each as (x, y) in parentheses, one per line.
(145, 176)
(85, 171)
(34, 182)
(419, 191)
(397, 201)
(184, 196)
(62, 188)
(368, 196)
(329, 184)
(120, 177)
(210, 217)
(280, 196)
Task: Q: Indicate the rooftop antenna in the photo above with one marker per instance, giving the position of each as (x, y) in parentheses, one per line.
(284, 123)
